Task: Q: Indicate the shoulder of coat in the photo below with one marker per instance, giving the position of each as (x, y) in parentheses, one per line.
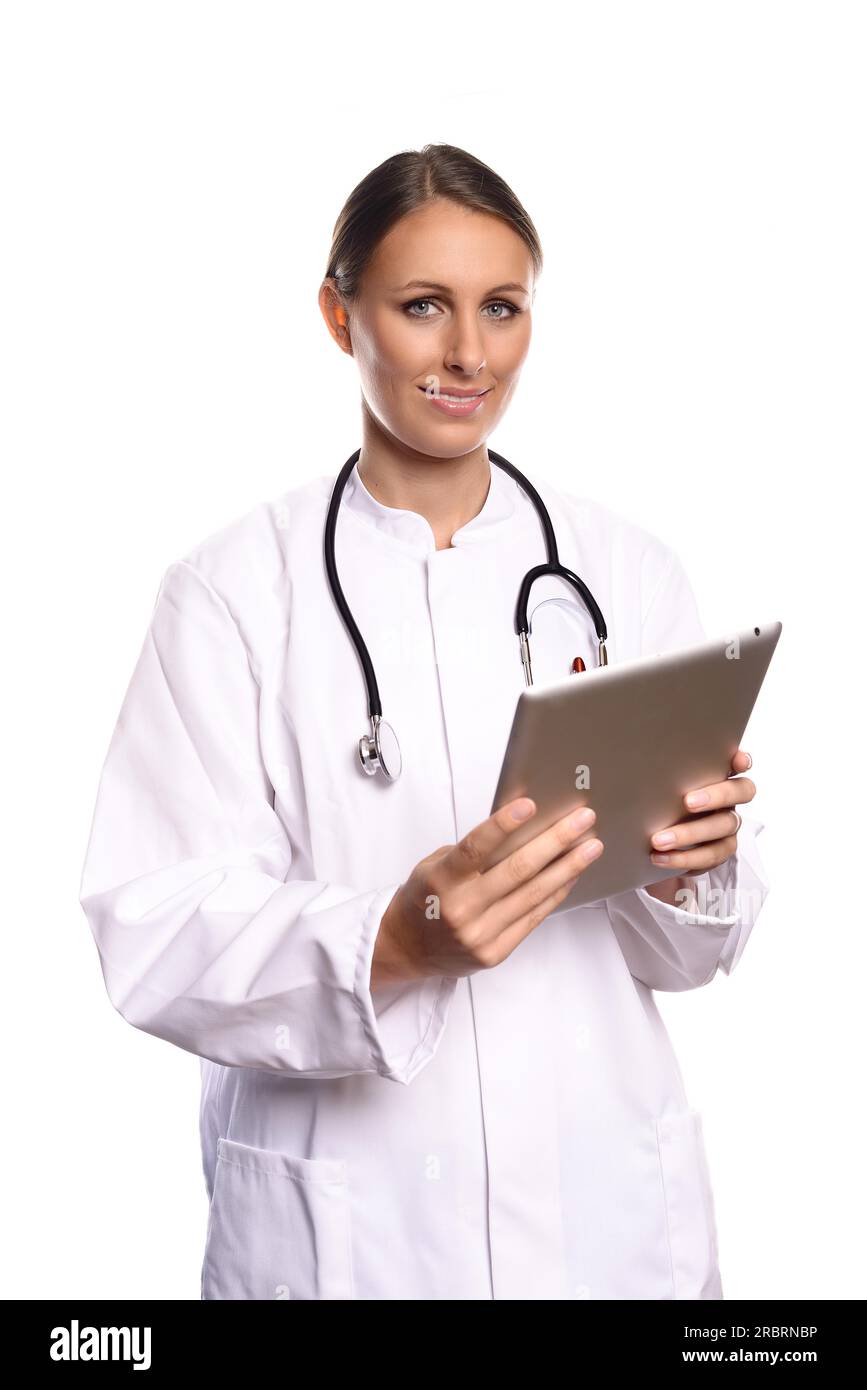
(248, 554)
(603, 524)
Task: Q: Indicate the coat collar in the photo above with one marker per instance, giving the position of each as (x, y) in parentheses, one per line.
(412, 531)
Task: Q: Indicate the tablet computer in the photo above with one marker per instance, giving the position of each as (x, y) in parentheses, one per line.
(630, 740)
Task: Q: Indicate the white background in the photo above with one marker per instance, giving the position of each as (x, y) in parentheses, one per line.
(171, 176)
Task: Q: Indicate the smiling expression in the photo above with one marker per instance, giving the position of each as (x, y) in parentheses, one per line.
(441, 327)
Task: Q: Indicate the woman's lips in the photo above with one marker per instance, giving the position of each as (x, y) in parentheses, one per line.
(456, 405)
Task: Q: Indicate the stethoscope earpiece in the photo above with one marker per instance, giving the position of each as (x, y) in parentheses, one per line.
(379, 751)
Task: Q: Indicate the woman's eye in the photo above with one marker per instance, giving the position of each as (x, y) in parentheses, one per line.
(414, 303)
(504, 304)
(501, 304)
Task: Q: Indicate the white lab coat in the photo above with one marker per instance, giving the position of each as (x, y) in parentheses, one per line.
(519, 1134)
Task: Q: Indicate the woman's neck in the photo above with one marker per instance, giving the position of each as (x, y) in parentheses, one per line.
(446, 492)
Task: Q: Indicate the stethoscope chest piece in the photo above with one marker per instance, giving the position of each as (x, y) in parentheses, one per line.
(379, 750)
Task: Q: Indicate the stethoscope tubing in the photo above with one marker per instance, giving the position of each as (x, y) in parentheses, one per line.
(370, 761)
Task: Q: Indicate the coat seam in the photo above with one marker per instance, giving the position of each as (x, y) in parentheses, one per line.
(668, 1244)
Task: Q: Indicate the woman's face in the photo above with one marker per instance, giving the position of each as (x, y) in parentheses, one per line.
(444, 307)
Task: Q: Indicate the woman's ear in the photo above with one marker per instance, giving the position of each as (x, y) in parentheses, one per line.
(335, 315)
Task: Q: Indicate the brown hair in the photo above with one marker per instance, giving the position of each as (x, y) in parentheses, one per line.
(407, 181)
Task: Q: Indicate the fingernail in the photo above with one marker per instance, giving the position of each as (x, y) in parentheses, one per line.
(523, 809)
(697, 799)
(750, 763)
(661, 858)
(664, 837)
(593, 849)
(581, 819)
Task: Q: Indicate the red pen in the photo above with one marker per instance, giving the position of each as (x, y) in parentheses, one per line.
(577, 666)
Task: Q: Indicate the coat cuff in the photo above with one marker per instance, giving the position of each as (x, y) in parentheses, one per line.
(681, 947)
(710, 906)
(726, 901)
(403, 1021)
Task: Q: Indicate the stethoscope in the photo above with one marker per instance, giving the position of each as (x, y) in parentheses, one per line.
(379, 751)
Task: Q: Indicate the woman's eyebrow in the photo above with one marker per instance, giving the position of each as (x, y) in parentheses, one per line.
(446, 289)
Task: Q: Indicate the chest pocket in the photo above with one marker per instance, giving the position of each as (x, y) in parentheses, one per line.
(560, 630)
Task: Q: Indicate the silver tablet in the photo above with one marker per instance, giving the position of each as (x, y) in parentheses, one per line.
(630, 740)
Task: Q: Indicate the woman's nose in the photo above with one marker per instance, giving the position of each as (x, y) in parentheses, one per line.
(467, 351)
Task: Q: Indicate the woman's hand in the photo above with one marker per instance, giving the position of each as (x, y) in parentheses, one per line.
(713, 833)
(453, 918)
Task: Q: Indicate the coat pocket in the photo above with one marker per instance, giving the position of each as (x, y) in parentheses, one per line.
(278, 1227)
(560, 629)
(689, 1207)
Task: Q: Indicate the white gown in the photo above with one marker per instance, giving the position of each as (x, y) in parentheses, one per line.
(519, 1134)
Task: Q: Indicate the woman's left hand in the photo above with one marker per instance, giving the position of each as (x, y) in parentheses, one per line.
(708, 838)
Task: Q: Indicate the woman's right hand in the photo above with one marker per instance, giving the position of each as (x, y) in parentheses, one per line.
(453, 918)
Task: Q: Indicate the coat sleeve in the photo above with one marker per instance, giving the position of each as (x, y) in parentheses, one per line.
(204, 937)
(677, 948)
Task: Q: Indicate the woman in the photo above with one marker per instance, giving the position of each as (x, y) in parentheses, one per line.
(259, 901)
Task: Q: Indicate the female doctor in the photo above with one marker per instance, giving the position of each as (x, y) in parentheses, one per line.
(418, 1080)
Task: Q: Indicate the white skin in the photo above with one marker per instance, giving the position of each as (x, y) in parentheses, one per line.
(471, 333)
